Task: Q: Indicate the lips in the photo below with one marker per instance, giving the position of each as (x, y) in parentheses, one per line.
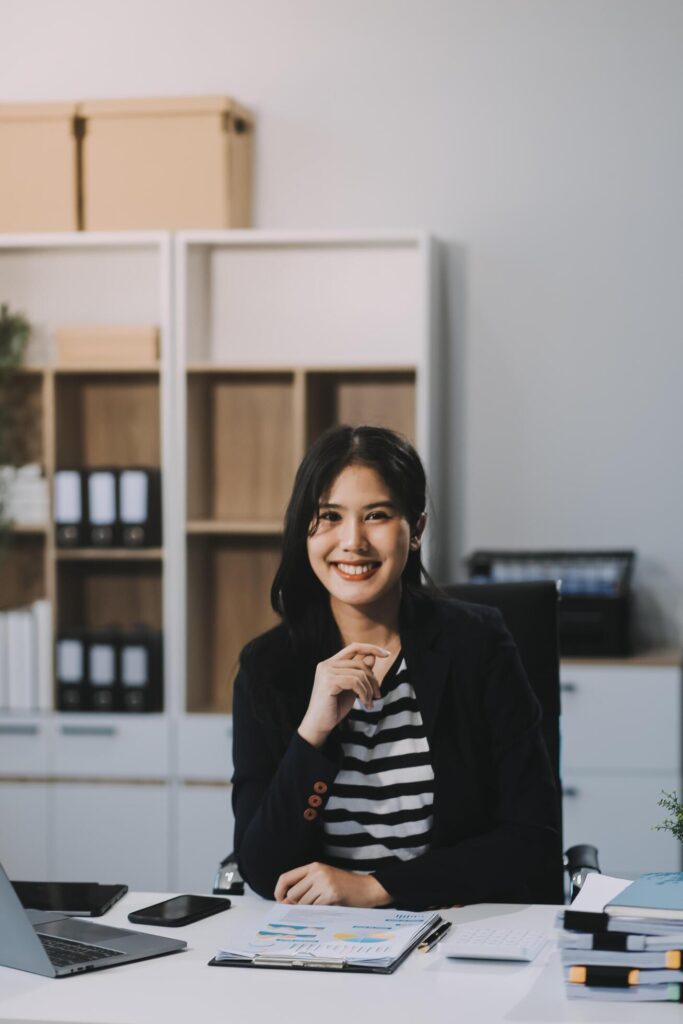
(356, 572)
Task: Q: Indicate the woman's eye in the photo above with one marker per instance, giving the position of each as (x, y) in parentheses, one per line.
(329, 516)
(377, 515)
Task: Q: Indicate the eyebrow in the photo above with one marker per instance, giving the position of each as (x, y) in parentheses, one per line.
(373, 504)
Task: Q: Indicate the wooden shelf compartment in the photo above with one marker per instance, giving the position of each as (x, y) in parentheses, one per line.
(243, 434)
(22, 570)
(334, 297)
(107, 419)
(377, 398)
(228, 603)
(99, 594)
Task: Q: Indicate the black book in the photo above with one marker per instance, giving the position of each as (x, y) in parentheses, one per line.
(71, 670)
(141, 670)
(140, 507)
(70, 508)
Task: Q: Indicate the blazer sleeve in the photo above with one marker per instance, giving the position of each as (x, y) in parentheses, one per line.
(496, 865)
(276, 800)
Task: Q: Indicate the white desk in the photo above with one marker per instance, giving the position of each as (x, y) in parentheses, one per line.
(181, 988)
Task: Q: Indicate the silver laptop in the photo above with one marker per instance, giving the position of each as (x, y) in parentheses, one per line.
(46, 943)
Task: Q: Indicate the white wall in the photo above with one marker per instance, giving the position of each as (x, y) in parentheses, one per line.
(542, 140)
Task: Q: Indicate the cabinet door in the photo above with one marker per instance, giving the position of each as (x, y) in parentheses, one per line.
(205, 747)
(111, 832)
(111, 746)
(621, 718)
(617, 814)
(24, 831)
(24, 746)
(205, 833)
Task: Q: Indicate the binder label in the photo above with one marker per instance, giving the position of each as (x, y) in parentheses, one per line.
(134, 498)
(70, 661)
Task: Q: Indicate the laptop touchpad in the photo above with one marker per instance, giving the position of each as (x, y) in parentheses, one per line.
(83, 931)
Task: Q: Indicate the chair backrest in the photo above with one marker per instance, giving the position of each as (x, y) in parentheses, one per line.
(530, 613)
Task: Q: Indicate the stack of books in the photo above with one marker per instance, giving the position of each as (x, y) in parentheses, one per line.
(25, 495)
(26, 658)
(631, 950)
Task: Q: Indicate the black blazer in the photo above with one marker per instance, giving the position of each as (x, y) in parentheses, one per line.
(495, 800)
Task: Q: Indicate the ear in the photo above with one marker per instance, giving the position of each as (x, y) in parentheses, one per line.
(417, 532)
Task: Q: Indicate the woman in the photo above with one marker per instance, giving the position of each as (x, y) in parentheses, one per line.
(387, 744)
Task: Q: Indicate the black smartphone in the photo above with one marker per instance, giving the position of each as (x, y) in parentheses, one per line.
(179, 910)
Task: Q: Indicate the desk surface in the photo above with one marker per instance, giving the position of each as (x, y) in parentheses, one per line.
(181, 988)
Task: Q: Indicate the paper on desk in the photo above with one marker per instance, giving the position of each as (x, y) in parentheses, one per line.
(332, 933)
(598, 890)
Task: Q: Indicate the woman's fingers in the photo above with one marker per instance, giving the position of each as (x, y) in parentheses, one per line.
(351, 650)
(297, 893)
(288, 879)
(366, 672)
(358, 680)
(309, 897)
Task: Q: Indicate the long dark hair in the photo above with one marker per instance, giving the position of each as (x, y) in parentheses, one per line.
(297, 594)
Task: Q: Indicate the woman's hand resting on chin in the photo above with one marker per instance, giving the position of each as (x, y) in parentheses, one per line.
(338, 681)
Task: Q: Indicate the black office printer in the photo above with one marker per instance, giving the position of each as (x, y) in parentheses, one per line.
(595, 593)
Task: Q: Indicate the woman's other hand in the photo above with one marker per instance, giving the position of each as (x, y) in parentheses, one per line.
(338, 681)
(326, 886)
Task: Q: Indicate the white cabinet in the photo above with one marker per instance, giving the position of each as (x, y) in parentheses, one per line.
(617, 814)
(111, 746)
(24, 816)
(204, 835)
(621, 730)
(24, 745)
(205, 747)
(109, 832)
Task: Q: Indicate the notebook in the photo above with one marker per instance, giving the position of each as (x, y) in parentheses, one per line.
(656, 895)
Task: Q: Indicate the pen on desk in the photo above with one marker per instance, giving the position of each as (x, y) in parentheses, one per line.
(434, 937)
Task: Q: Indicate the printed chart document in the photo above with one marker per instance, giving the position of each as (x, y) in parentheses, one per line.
(329, 937)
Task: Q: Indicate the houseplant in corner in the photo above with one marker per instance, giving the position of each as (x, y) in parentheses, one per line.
(673, 823)
(14, 333)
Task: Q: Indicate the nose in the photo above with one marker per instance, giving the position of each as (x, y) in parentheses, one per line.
(353, 537)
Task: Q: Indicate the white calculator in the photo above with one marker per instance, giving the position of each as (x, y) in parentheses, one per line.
(473, 941)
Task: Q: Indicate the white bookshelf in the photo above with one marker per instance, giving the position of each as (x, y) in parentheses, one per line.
(273, 316)
(109, 772)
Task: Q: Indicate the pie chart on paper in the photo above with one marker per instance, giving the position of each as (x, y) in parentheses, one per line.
(370, 936)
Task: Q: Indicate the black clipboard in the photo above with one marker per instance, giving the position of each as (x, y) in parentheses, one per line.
(73, 899)
(264, 962)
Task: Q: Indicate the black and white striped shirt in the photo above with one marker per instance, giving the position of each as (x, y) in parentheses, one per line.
(380, 805)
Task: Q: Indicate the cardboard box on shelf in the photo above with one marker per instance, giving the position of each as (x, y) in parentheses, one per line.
(166, 164)
(39, 190)
(107, 345)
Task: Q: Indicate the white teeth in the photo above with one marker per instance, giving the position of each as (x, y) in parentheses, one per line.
(355, 570)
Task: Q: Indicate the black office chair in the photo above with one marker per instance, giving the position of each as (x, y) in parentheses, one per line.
(530, 612)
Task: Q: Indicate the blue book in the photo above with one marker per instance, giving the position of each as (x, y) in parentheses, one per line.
(656, 895)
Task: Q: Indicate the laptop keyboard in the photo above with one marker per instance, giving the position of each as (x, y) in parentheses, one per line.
(64, 953)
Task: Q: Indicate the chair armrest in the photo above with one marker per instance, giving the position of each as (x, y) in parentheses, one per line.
(228, 879)
(580, 861)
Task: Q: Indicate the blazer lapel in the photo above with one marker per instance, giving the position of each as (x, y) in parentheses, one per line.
(428, 665)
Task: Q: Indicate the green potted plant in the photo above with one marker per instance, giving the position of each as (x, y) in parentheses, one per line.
(14, 333)
(673, 823)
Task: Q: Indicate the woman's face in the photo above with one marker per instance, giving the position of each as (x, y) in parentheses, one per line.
(361, 544)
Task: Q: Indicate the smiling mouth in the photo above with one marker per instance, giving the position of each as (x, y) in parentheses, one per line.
(356, 571)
